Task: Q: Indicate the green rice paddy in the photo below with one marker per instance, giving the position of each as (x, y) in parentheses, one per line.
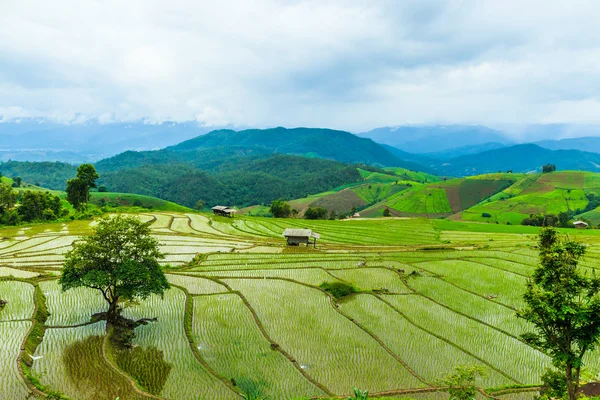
(248, 315)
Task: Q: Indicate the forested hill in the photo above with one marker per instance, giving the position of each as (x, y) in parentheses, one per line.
(310, 142)
(238, 181)
(216, 176)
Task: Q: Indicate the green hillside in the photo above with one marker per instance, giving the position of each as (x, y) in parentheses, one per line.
(551, 193)
(374, 186)
(447, 197)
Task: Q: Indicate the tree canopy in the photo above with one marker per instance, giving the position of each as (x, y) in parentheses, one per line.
(120, 259)
(563, 305)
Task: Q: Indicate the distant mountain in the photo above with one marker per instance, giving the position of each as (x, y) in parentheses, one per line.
(308, 142)
(437, 138)
(421, 159)
(463, 151)
(590, 144)
(40, 140)
(519, 158)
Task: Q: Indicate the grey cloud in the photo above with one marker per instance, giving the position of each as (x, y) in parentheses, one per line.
(350, 64)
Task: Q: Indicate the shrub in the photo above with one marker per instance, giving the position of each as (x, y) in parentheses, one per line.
(486, 215)
(338, 289)
(316, 213)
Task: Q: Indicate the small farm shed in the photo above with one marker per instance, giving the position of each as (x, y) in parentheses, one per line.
(356, 215)
(295, 237)
(580, 224)
(223, 211)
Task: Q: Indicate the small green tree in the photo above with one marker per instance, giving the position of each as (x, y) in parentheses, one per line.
(563, 305)
(199, 205)
(359, 394)
(461, 384)
(17, 181)
(78, 188)
(120, 259)
(280, 209)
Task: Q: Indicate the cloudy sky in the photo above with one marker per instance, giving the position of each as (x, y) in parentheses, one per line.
(348, 64)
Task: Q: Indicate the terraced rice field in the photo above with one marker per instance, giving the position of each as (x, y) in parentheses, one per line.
(248, 315)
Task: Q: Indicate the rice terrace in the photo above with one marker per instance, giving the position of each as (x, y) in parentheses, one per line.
(246, 314)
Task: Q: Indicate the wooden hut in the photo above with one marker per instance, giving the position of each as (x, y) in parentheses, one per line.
(296, 237)
(580, 224)
(223, 211)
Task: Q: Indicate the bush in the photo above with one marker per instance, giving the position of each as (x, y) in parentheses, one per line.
(338, 289)
(486, 215)
(316, 213)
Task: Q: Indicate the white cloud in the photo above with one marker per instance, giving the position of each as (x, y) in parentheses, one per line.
(350, 64)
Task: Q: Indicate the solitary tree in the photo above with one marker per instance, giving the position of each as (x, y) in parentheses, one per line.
(199, 205)
(77, 193)
(78, 188)
(120, 259)
(563, 305)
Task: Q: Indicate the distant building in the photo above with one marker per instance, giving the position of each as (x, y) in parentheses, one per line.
(296, 237)
(580, 224)
(356, 215)
(223, 211)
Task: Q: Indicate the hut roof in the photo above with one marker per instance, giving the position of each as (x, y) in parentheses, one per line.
(219, 208)
(291, 232)
(229, 210)
(580, 223)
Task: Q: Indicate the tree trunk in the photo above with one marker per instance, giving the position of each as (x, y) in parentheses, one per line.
(113, 310)
(570, 387)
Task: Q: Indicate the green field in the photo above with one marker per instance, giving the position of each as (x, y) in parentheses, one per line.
(251, 310)
(447, 197)
(539, 194)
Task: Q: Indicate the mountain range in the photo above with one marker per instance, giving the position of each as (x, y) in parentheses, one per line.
(257, 166)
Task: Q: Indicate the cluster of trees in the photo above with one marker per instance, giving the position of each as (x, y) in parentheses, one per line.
(548, 168)
(560, 220)
(32, 206)
(318, 213)
(282, 209)
(52, 175)
(40, 206)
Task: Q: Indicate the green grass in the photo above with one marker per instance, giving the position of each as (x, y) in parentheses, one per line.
(20, 300)
(187, 377)
(11, 336)
(296, 325)
(129, 200)
(416, 176)
(242, 352)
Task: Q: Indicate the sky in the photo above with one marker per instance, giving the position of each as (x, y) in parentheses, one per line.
(344, 64)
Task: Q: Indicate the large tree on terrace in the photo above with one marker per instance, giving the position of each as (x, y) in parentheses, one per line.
(563, 305)
(120, 259)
